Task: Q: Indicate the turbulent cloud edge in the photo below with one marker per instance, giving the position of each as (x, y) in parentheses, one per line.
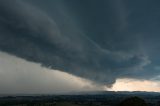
(30, 33)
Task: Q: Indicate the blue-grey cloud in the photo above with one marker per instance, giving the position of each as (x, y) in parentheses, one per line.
(102, 52)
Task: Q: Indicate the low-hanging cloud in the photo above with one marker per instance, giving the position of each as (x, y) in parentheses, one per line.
(30, 33)
(23, 77)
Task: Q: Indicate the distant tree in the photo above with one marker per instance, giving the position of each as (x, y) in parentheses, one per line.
(158, 104)
(133, 101)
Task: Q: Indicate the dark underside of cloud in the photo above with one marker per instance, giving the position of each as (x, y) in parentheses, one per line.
(102, 52)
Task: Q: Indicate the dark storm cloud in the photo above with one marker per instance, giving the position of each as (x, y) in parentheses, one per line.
(102, 51)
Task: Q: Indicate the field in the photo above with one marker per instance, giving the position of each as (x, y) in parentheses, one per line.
(99, 99)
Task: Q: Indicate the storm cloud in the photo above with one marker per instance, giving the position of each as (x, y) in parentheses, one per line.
(90, 43)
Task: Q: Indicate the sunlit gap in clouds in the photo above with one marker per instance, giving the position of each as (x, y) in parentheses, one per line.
(135, 85)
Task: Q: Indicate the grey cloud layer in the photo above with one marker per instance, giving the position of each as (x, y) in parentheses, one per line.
(18, 76)
(30, 33)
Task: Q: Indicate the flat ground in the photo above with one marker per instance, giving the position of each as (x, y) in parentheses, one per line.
(67, 104)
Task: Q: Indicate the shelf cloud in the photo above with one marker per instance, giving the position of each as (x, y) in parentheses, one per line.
(101, 50)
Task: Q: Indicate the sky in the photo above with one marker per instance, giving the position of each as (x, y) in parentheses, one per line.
(57, 46)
